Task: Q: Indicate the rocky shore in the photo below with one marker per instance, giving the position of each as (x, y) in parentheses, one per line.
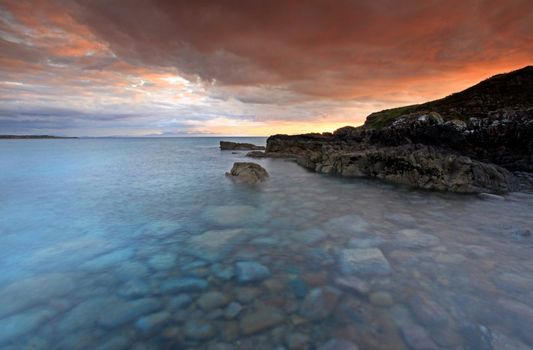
(478, 140)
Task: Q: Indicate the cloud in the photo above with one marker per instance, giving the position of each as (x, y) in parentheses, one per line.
(262, 65)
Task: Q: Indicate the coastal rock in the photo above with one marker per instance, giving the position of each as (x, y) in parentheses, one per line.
(363, 261)
(251, 271)
(467, 142)
(246, 172)
(320, 303)
(238, 146)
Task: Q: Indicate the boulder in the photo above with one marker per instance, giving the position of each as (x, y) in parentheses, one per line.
(237, 146)
(246, 172)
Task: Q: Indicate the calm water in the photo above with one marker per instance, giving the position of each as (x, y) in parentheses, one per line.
(145, 244)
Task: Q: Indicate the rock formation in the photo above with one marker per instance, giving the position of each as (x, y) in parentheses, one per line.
(250, 173)
(237, 146)
(469, 142)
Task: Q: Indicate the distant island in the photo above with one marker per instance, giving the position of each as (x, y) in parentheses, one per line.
(12, 137)
(476, 140)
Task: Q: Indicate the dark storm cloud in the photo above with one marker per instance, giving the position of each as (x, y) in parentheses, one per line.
(328, 48)
(249, 67)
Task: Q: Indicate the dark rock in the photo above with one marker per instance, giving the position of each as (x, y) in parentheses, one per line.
(246, 172)
(212, 300)
(467, 142)
(237, 146)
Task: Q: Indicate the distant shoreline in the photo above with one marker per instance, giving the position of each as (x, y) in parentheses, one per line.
(15, 137)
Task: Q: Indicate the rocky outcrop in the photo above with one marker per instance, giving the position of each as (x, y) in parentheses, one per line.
(250, 173)
(237, 146)
(468, 142)
(420, 151)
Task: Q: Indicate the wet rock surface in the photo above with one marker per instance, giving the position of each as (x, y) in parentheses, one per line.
(246, 172)
(239, 146)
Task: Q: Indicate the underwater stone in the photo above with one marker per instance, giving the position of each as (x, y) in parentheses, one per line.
(251, 271)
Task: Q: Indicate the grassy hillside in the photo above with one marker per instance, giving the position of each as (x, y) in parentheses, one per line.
(509, 90)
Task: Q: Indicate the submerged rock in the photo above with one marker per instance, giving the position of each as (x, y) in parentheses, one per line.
(199, 330)
(261, 320)
(212, 300)
(251, 271)
(238, 146)
(184, 284)
(363, 261)
(123, 312)
(34, 290)
(246, 172)
(338, 344)
(320, 303)
(13, 327)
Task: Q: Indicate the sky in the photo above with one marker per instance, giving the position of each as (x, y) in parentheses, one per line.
(247, 68)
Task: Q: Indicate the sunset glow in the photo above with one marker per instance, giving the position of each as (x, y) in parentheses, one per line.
(180, 68)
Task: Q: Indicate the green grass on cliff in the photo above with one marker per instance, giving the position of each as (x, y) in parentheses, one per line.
(509, 90)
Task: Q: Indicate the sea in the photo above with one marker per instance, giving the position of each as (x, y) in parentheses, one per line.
(144, 243)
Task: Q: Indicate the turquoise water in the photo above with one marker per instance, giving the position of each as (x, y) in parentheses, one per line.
(145, 244)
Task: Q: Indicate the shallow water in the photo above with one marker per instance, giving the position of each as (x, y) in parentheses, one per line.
(145, 244)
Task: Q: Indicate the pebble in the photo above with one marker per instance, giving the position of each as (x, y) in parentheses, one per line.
(212, 300)
(338, 344)
(133, 289)
(180, 301)
(417, 338)
(263, 319)
(164, 261)
(224, 272)
(33, 291)
(298, 287)
(251, 271)
(183, 284)
(123, 312)
(381, 299)
(85, 315)
(320, 303)
(116, 343)
(15, 326)
(354, 284)
(108, 260)
(199, 330)
(232, 310)
(363, 261)
(149, 324)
